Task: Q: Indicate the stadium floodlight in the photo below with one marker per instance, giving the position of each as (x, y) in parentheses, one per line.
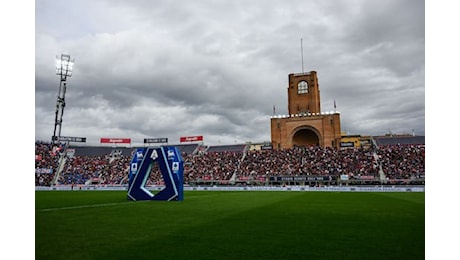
(64, 68)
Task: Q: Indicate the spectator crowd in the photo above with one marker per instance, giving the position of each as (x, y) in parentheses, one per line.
(394, 161)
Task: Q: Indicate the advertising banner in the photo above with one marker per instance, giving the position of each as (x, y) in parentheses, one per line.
(303, 178)
(155, 140)
(69, 139)
(191, 138)
(347, 144)
(115, 140)
(43, 170)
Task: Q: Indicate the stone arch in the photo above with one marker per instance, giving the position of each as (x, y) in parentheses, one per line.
(306, 136)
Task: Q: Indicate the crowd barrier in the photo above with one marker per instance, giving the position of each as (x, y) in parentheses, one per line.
(378, 188)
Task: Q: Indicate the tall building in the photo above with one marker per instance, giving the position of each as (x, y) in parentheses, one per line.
(305, 125)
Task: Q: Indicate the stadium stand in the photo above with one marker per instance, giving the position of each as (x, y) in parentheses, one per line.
(187, 148)
(99, 151)
(394, 160)
(398, 139)
(227, 148)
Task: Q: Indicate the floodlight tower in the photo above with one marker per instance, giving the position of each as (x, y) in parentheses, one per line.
(64, 67)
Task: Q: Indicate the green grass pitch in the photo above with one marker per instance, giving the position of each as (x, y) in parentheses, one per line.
(230, 225)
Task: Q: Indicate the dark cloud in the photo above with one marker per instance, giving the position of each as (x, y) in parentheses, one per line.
(217, 68)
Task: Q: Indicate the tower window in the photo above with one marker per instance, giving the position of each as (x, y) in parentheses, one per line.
(302, 87)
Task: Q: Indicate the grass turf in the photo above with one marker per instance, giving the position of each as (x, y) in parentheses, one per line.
(230, 225)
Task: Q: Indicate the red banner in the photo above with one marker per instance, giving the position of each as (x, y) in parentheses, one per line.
(115, 140)
(191, 138)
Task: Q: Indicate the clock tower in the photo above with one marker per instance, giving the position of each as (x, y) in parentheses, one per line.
(303, 93)
(305, 124)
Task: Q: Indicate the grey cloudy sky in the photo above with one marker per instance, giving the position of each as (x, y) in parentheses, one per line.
(151, 68)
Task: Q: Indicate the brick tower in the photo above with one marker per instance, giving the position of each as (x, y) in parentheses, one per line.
(305, 125)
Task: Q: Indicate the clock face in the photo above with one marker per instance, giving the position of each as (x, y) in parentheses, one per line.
(302, 87)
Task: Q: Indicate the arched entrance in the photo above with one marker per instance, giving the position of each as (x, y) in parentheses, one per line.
(306, 136)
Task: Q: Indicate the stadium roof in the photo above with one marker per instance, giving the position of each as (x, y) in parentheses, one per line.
(396, 139)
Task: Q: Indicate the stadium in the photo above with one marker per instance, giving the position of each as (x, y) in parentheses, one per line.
(308, 148)
(310, 193)
(238, 204)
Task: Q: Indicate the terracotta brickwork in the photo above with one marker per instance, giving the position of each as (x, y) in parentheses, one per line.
(305, 125)
(307, 101)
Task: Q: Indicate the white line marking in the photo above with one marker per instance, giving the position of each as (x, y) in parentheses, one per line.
(88, 206)
(115, 203)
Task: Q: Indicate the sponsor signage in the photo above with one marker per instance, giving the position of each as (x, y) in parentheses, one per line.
(43, 171)
(365, 177)
(155, 140)
(266, 147)
(115, 140)
(347, 144)
(302, 178)
(191, 138)
(69, 139)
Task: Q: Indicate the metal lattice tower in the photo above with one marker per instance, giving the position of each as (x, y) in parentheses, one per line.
(64, 67)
